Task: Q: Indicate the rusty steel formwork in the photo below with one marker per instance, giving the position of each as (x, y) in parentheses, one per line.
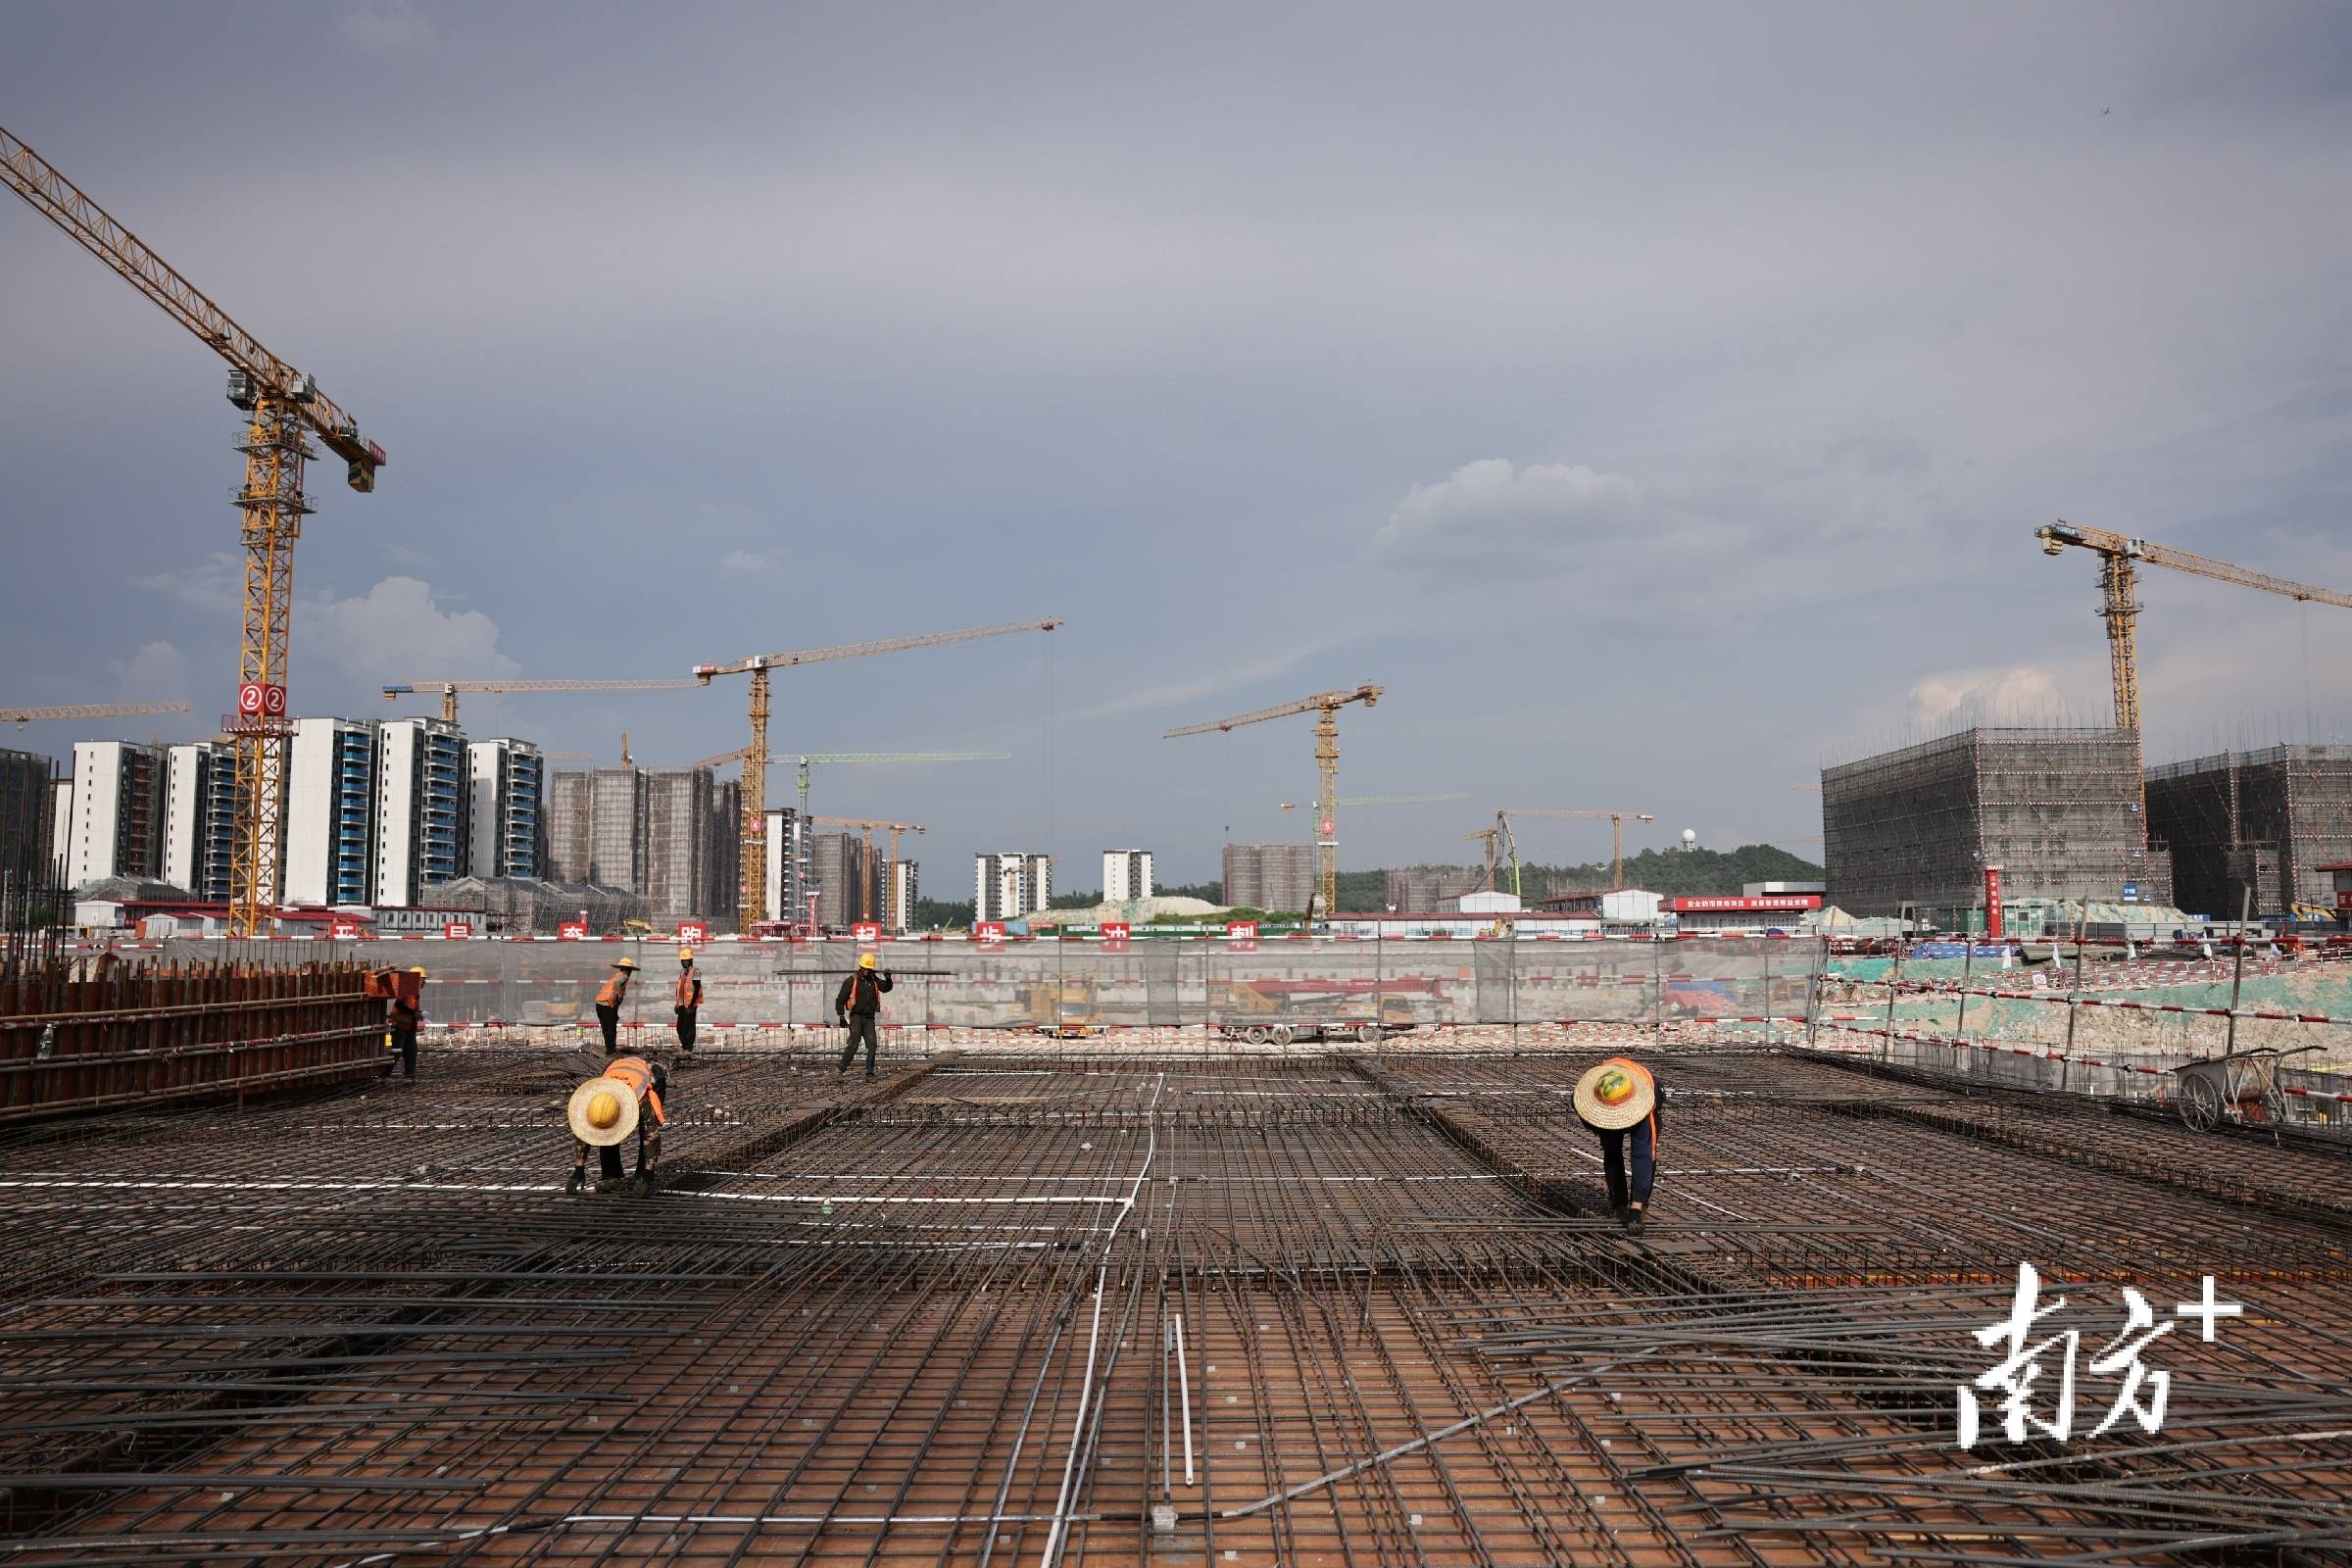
(85, 1035)
(1086, 1306)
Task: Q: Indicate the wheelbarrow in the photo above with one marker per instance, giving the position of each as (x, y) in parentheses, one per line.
(2241, 1087)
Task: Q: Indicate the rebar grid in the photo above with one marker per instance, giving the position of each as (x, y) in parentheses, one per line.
(1353, 1310)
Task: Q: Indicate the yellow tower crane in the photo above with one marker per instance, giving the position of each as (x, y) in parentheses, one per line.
(2119, 581)
(284, 408)
(1325, 706)
(449, 689)
(1617, 821)
(892, 917)
(1491, 837)
(21, 716)
(753, 904)
(1388, 800)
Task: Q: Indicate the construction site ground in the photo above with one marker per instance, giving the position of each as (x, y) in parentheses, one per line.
(1072, 1302)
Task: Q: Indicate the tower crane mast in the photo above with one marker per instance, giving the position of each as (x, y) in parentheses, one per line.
(753, 903)
(284, 408)
(1325, 706)
(2120, 557)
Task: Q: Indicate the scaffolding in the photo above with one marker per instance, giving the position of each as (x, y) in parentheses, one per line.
(2057, 809)
(2255, 821)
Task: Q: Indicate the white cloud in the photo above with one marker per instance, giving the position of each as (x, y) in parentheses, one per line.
(216, 584)
(385, 25)
(1177, 690)
(156, 673)
(746, 562)
(396, 631)
(2018, 693)
(1490, 514)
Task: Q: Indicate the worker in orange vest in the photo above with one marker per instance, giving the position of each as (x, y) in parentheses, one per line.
(403, 1014)
(605, 1110)
(688, 1000)
(858, 1006)
(1618, 1099)
(609, 999)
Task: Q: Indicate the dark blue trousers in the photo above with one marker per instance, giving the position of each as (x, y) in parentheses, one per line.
(1643, 1136)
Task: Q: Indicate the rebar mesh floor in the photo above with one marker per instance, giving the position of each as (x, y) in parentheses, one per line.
(1349, 1310)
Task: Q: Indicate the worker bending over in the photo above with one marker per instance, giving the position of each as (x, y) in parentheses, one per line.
(609, 999)
(604, 1112)
(858, 1005)
(688, 1000)
(1619, 1100)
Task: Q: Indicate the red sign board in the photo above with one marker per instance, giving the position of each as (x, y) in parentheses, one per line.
(989, 931)
(2344, 899)
(693, 931)
(866, 930)
(1757, 905)
(253, 696)
(343, 930)
(1241, 930)
(573, 931)
(1993, 900)
(1115, 931)
(458, 930)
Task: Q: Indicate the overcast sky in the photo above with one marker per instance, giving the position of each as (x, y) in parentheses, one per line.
(1657, 402)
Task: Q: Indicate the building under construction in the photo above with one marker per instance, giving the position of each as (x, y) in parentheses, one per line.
(2254, 822)
(670, 835)
(1279, 877)
(2057, 809)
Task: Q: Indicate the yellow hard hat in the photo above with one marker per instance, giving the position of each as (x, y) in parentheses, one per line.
(418, 972)
(624, 964)
(685, 955)
(865, 960)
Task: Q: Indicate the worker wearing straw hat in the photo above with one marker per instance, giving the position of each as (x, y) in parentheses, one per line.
(605, 1110)
(609, 998)
(1618, 1099)
(688, 999)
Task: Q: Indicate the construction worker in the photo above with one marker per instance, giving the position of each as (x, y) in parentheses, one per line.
(857, 1004)
(1618, 1099)
(688, 1000)
(602, 1111)
(609, 998)
(403, 1012)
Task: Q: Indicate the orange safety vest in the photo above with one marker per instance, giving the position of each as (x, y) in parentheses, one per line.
(616, 986)
(637, 1075)
(689, 992)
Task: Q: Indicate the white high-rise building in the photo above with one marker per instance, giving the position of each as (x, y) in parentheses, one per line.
(1007, 887)
(116, 825)
(200, 819)
(506, 783)
(421, 808)
(329, 820)
(787, 857)
(905, 883)
(1126, 875)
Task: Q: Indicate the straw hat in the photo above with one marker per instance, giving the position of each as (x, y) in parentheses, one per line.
(624, 964)
(1615, 1094)
(602, 1111)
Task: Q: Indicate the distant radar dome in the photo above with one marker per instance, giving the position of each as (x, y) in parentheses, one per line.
(1690, 837)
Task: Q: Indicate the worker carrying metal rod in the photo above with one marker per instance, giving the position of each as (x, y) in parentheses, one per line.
(605, 1110)
(1618, 1099)
(858, 1005)
(687, 1001)
(404, 1016)
(608, 999)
